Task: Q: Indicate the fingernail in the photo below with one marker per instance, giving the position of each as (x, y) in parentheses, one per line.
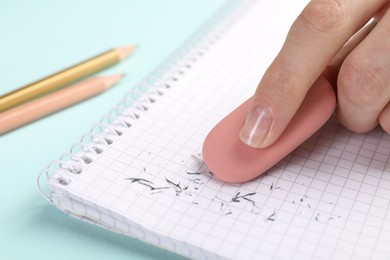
(257, 126)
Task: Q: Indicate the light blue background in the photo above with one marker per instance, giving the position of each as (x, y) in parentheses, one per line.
(41, 37)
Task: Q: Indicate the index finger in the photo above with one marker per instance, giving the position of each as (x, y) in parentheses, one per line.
(322, 28)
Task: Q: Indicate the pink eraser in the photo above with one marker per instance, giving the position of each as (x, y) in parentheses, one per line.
(229, 159)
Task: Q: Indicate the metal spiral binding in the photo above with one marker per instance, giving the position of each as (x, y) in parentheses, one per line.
(137, 101)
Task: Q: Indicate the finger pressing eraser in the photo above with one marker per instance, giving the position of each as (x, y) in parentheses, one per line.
(230, 160)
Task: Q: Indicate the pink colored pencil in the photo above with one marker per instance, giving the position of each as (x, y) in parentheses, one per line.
(46, 105)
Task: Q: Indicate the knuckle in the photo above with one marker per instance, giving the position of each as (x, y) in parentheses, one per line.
(361, 85)
(325, 15)
(287, 85)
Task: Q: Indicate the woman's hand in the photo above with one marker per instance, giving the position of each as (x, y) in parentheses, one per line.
(346, 41)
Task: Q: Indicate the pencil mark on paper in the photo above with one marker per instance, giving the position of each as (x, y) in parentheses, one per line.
(193, 173)
(303, 198)
(197, 181)
(318, 217)
(272, 187)
(246, 197)
(146, 183)
(239, 198)
(331, 218)
(271, 217)
(176, 186)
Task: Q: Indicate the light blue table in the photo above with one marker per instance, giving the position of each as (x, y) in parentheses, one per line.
(41, 37)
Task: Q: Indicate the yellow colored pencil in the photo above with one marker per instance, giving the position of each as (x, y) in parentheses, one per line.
(64, 77)
(46, 105)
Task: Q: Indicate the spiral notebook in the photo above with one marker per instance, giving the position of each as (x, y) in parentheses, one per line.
(140, 170)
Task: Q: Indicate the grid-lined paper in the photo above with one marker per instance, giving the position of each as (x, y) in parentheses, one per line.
(327, 199)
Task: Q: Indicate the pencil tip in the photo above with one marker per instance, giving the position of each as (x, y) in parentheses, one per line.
(125, 51)
(112, 79)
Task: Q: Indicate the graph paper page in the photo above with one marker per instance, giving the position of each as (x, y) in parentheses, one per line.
(327, 199)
